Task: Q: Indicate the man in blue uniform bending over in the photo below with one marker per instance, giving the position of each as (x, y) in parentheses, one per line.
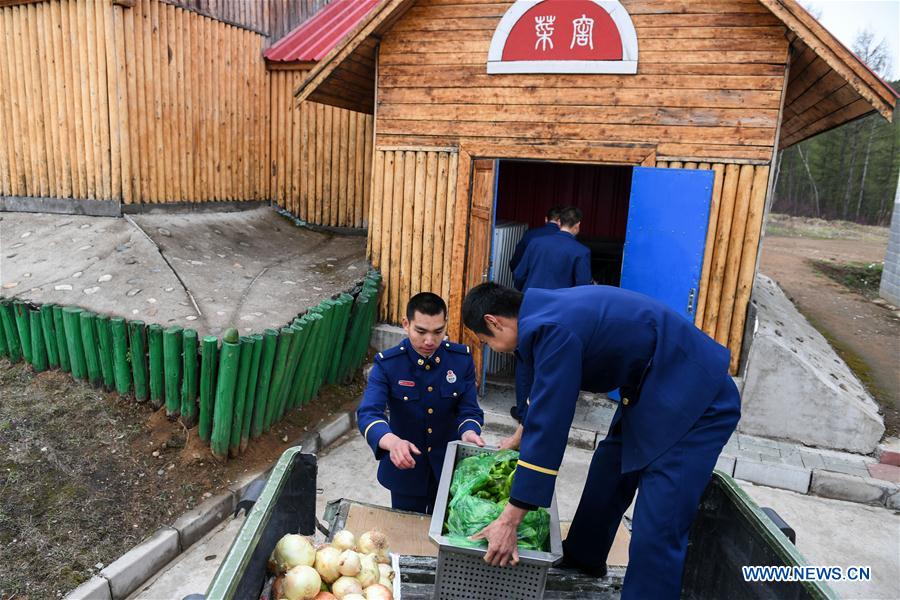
(679, 406)
(420, 396)
(556, 260)
(551, 225)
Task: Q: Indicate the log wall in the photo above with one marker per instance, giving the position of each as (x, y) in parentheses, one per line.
(414, 204)
(709, 83)
(411, 222)
(321, 157)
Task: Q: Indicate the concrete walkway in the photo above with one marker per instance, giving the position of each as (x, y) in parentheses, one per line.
(206, 270)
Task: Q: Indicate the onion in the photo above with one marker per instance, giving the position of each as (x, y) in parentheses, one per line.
(378, 592)
(385, 572)
(301, 583)
(368, 571)
(291, 551)
(325, 596)
(277, 587)
(374, 542)
(328, 562)
(349, 563)
(344, 586)
(344, 540)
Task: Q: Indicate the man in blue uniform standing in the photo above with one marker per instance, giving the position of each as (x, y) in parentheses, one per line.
(679, 407)
(551, 225)
(556, 260)
(420, 396)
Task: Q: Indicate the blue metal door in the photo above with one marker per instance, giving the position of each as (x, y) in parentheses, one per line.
(666, 235)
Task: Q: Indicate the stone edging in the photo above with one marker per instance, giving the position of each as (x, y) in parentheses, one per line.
(814, 482)
(134, 568)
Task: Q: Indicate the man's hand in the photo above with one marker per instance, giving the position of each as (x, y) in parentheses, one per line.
(513, 441)
(503, 546)
(401, 451)
(473, 438)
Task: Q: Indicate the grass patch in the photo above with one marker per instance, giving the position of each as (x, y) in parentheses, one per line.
(862, 278)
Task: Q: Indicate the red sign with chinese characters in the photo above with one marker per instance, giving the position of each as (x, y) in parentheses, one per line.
(564, 30)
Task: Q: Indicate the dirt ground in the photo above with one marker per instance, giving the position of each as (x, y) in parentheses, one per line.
(79, 482)
(865, 334)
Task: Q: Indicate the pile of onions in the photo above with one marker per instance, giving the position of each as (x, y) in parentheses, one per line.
(349, 568)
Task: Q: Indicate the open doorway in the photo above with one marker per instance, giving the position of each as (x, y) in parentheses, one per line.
(527, 189)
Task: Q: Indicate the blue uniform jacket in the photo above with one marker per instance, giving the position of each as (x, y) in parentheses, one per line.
(599, 338)
(427, 401)
(552, 262)
(534, 232)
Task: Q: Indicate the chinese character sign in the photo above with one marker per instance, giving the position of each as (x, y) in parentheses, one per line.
(543, 28)
(564, 31)
(583, 32)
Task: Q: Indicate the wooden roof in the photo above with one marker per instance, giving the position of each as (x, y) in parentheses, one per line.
(828, 85)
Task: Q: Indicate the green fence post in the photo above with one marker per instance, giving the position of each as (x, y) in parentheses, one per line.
(48, 331)
(62, 348)
(105, 346)
(4, 351)
(240, 396)
(293, 396)
(137, 341)
(313, 348)
(189, 378)
(38, 351)
(89, 344)
(173, 361)
(270, 342)
(8, 325)
(250, 402)
(301, 335)
(324, 353)
(223, 411)
(208, 364)
(23, 328)
(74, 345)
(285, 339)
(157, 365)
(344, 303)
(120, 355)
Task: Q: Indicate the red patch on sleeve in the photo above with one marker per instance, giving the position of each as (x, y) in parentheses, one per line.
(406, 383)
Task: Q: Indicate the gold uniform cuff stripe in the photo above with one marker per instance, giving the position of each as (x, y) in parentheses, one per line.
(467, 421)
(543, 470)
(366, 432)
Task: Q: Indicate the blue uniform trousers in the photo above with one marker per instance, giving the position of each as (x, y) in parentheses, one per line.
(419, 504)
(670, 490)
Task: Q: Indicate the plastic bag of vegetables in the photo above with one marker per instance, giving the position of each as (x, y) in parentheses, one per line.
(479, 491)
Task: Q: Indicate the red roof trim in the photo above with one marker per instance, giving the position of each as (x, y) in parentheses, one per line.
(315, 38)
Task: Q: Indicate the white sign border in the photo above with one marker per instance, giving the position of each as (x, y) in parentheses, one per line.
(617, 12)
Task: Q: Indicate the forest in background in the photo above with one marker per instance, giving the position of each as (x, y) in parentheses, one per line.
(850, 172)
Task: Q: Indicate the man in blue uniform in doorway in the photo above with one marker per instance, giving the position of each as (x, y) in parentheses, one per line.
(679, 407)
(420, 396)
(551, 225)
(557, 260)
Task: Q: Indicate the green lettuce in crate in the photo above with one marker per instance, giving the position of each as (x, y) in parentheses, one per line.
(479, 491)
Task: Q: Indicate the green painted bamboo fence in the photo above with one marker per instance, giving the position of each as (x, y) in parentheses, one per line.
(232, 392)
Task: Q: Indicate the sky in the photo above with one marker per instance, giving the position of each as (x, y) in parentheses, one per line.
(845, 18)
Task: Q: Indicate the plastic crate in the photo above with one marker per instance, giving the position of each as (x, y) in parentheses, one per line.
(462, 572)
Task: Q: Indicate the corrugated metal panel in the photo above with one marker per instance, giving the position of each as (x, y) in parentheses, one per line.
(315, 38)
(506, 236)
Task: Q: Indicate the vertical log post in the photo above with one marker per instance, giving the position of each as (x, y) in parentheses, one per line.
(121, 372)
(208, 362)
(137, 337)
(173, 362)
(189, 378)
(157, 365)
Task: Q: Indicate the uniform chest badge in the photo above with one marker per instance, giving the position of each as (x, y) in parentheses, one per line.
(451, 376)
(406, 383)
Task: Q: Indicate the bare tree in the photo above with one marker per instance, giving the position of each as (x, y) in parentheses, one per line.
(878, 58)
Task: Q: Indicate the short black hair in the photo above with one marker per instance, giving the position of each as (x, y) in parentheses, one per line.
(489, 299)
(570, 216)
(426, 303)
(554, 212)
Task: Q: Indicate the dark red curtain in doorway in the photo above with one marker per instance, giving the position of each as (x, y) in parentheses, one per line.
(527, 189)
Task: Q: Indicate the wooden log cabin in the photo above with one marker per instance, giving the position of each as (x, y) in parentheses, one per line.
(660, 120)
(120, 105)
